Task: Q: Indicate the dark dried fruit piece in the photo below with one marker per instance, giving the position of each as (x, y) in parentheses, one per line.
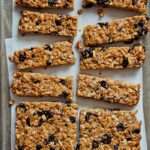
(48, 114)
(142, 32)
(51, 138)
(51, 148)
(89, 5)
(87, 116)
(22, 58)
(72, 119)
(102, 97)
(129, 139)
(137, 131)
(120, 127)
(38, 22)
(62, 81)
(40, 122)
(49, 62)
(106, 139)
(87, 53)
(95, 144)
(48, 47)
(38, 147)
(20, 147)
(52, 2)
(103, 24)
(68, 103)
(104, 84)
(125, 62)
(58, 22)
(141, 23)
(116, 147)
(64, 94)
(28, 121)
(134, 2)
(35, 81)
(22, 106)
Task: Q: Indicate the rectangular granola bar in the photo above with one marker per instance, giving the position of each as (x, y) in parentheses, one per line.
(111, 130)
(108, 90)
(112, 57)
(139, 6)
(36, 84)
(44, 55)
(46, 125)
(122, 30)
(44, 23)
(46, 3)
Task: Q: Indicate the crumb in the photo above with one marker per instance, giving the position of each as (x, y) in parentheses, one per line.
(11, 102)
(101, 12)
(79, 45)
(80, 11)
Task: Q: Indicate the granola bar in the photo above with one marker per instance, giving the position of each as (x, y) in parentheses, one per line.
(43, 56)
(107, 90)
(122, 30)
(112, 57)
(44, 23)
(139, 6)
(109, 130)
(36, 84)
(46, 3)
(46, 126)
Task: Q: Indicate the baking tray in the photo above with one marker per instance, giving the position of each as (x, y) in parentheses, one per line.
(5, 109)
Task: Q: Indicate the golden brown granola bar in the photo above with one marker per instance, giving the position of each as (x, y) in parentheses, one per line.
(109, 130)
(46, 3)
(44, 23)
(112, 57)
(139, 6)
(122, 30)
(44, 55)
(46, 126)
(36, 84)
(108, 90)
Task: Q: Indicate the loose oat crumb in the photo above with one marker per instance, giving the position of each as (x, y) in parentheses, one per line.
(80, 11)
(101, 12)
(79, 45)
(11, 102)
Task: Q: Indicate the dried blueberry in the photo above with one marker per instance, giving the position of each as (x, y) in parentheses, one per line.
(38, 147)
(103, 84)
(62, 81)
(89, 5)
(87, 53)
(48, 47)
(103, 24)
(48, 114)
(77, 147)
(95, 144)
(68, 103)
(51, 148)
(116, 147)
(134, 2)
(125, 62)
(87, 116)
(64, 94)
(38, 22)
(22, 106)
(142, 31)
(35, 81)
(72, 119)
(106, 139)
(28, 121)
(49, 62)
(102, 97)
(120, 127)
(137, 131)
(129, 139)
(51, 138)
(102, 2)
(22, 58)
(20, 147)
(58, 22)
(40, 122)
(52, 2)
(141, 23)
